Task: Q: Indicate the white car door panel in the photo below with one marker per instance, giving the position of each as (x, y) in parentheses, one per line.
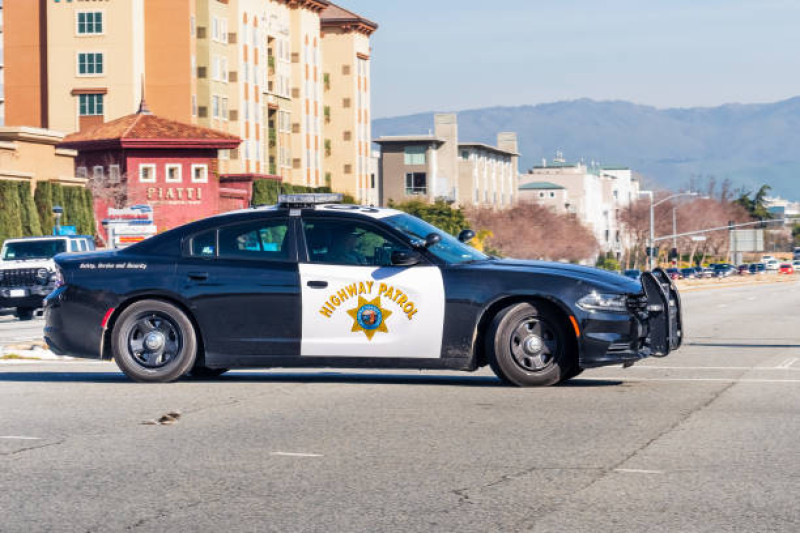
(368, 311)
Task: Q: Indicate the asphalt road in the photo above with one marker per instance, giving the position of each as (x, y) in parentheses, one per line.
(707, 439)
(13, 331)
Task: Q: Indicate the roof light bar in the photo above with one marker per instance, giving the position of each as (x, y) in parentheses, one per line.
(309, 199)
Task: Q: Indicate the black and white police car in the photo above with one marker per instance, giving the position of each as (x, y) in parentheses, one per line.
(314, 283)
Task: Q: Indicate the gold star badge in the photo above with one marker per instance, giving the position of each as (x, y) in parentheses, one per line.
(369, 317)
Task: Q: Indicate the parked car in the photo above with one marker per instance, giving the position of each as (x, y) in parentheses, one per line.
(786, 268)
(772, 265)
(28, 272)
(633, 273)
(724, 270)
(674, 273)
(744, 270)
(689, 273)
(796, 264)
(758, 268)
(707, 272)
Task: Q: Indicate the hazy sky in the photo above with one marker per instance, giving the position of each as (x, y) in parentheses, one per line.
(462, 54)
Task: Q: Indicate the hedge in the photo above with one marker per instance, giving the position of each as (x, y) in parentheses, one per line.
(76, 201)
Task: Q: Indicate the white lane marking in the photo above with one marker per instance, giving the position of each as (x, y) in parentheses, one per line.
(637, 471)
(654, 367)
(722, 305)
(788, 363)
(718, 380)
(295, 454)
(15, 437)
(751, 299)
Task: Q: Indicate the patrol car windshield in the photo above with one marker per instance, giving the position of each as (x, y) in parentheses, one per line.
(17, 251)
(449, 249)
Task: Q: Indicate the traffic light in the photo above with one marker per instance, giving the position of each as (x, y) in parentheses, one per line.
(673, 253)
(654, 251)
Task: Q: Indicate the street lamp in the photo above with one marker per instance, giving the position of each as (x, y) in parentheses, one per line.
(652, 220)
(57, 212)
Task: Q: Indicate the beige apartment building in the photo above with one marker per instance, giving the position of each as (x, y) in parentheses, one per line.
(2, 77)
(596, 194)
(289, 77)
(30, 155)
(438, 166)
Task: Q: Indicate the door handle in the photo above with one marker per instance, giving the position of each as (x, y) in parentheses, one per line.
(198, 276)
(317, 284)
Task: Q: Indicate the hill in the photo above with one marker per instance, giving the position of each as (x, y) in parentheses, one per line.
(750, 144)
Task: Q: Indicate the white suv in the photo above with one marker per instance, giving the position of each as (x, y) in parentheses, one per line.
(28, 272)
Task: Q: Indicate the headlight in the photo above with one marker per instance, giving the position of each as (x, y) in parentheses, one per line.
(610, 303)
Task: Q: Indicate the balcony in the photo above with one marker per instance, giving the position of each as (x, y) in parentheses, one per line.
(416, 191)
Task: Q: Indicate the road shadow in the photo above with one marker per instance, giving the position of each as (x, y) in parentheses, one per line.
(293, 377)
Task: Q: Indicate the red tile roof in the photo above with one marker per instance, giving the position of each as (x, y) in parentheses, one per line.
(336, 15)
(137, 128)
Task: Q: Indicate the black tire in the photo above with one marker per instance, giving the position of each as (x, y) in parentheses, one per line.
(203, 372)
(25, 313)
(154, 342)
(527, 346)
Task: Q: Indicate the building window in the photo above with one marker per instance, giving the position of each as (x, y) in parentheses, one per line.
(97, 173)
(215, 106)
(541, 195)
(90, 64)
(416, 183)
(414, 155)
(90, 22)
(82, 172)
(113, 174)
(91, 104)
(174, 174)
(224, 108)
(552, 195)
(147, 173)
(200, 173)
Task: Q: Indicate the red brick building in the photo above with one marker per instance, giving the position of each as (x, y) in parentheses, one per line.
(171, 166)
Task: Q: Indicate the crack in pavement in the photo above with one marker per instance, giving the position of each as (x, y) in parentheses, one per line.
(163, 513)
(31, 448)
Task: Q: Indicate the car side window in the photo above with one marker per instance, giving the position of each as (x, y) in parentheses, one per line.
(346, 242)
(264, 240)
(204, 244)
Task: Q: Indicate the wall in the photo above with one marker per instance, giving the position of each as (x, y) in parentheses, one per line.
(25, 66)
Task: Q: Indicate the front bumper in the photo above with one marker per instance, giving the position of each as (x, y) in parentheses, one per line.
(32, 296)
(652, 328)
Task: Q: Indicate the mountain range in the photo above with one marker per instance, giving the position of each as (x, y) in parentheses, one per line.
(750, 144)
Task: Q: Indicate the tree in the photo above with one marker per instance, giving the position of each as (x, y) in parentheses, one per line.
(757, 205)
(533, 231)
(441, 214)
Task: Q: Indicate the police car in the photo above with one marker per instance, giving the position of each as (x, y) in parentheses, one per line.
(314, 283)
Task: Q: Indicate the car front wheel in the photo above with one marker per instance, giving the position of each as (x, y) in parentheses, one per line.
(527, 346)
(154, 341)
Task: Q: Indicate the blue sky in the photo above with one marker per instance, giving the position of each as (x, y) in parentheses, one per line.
(450, 55)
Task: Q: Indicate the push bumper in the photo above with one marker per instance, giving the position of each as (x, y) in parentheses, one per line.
(652, 328)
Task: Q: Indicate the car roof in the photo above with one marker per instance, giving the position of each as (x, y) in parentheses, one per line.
(48, 238)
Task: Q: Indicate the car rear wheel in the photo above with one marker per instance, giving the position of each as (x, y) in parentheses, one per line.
(154, 341)
(527, 346)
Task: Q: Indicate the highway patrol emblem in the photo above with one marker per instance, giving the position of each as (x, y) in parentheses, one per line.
(369, 317)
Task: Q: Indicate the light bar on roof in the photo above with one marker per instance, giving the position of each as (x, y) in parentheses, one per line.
(308, 199)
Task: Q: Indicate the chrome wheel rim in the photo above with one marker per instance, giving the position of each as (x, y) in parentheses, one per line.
(154, 340)
(533, 344)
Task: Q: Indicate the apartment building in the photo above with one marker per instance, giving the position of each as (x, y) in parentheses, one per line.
(438, 166)
(257, 69)
(2, 78)
(596, 194)
(347, 108)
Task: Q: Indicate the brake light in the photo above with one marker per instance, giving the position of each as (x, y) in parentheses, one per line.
(106, 317)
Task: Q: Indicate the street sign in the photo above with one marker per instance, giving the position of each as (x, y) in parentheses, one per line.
(747, 240)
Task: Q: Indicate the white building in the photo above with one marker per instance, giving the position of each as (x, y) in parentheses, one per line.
(594, 193)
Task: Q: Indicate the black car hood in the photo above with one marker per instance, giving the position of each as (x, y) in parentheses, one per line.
(603, 279)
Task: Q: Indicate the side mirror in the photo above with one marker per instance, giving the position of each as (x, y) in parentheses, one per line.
(431, 239)
(466, 235)
(405, 258)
